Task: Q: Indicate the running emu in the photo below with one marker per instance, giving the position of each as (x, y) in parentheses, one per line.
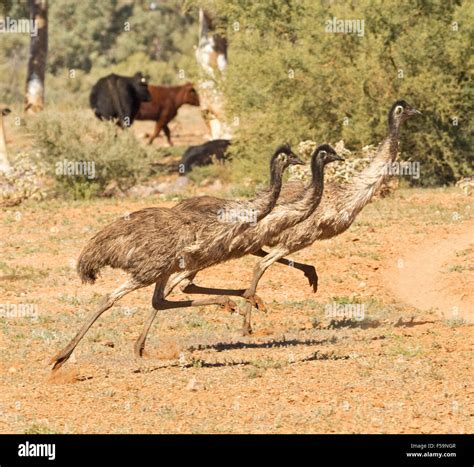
(281, 218)
(339, 206)
(150, 245)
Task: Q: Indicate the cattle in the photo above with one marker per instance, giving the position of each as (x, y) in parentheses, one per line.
(203, 154)
(116, 97)
(164, 105)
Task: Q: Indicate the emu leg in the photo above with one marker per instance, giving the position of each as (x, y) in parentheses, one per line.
(253, 300)
(59, 359)
(157, 295)
(186, 285)
(247, 314)
(308, 269)
(160, 303)
(258, 272)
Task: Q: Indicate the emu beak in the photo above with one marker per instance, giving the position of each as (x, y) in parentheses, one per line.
(414, 112)
(337, 157)
(295, 160)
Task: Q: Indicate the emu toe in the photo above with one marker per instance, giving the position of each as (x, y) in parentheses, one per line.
(229, 305)
(139, 348)
(257, 302)
(58, 361)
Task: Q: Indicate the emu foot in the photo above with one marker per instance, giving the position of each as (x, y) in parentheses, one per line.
(246, 327)
(139, 348)
(247, 314)
(257, 302)
(312, 277)
(59, 359)
(229, 305)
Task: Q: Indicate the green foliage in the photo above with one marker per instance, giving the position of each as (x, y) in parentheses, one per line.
(289, 79)
(74, 139)
(90, 39)
(91, 34)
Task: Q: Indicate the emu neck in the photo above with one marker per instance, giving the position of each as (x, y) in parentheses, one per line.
(285, 216)
(311, 199)
(364, 185)
(267, 202)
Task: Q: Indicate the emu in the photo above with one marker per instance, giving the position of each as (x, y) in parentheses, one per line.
(281, 218)
(150, 245)
(339, 206)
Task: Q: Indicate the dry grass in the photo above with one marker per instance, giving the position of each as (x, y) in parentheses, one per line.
(398, 370)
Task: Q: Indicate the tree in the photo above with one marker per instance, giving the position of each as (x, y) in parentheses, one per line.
(34, 97)
(292, 75)
(5, 166)
(211, 55)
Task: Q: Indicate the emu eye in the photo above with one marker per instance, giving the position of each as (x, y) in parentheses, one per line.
(323, 153)
(398, 110)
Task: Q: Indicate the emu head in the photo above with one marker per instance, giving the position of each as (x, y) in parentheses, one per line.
(140, 85)
(325, 154)
(399, 112)
(284, 157)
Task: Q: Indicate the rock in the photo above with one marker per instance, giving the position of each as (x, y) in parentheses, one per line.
(192, 385)
(112, 189)
(181, 183)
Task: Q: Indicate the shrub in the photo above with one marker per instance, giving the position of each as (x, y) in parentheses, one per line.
(24, 181)
(83, 155)
(290, 79)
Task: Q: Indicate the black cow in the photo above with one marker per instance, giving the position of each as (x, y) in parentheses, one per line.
(202, 154)
(119, 97)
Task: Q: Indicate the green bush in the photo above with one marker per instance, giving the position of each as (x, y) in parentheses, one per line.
(83, 155)
(90, 39)
(289, 79)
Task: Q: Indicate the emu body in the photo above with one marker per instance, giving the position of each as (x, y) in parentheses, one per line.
(153, 243)
(282, 217)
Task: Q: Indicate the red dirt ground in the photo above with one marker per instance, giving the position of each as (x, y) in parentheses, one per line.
(407, 367)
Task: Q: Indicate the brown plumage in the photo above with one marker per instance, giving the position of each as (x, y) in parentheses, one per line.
(153, 243)
(282, 217)
(339, 206)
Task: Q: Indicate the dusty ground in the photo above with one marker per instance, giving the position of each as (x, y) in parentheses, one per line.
(407, 367)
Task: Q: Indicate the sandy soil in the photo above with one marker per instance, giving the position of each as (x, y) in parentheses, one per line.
(406, 367)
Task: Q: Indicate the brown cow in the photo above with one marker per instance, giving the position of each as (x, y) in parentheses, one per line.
(164, 105)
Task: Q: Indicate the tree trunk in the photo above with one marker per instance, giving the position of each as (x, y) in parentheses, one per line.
(34, 97)
(5, 166)
(211, 55)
